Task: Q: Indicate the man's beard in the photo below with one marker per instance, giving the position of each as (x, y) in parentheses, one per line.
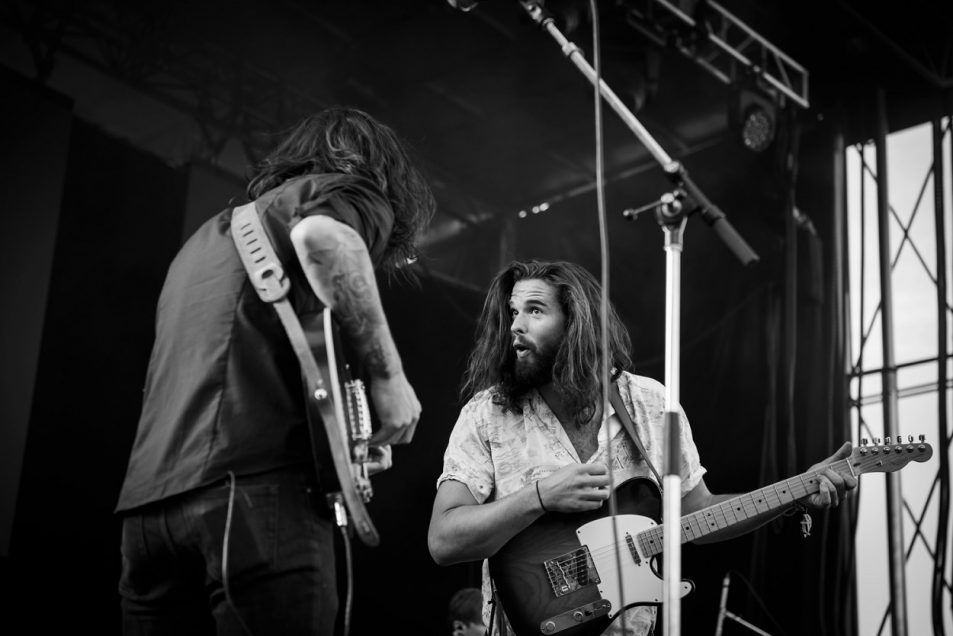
(536, 369)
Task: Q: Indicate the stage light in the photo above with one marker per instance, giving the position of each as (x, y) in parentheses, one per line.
(753, 114)
(757, 128)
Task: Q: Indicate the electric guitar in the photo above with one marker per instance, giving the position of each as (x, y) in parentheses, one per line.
(562, 573)
(340, 403)
(332, 397)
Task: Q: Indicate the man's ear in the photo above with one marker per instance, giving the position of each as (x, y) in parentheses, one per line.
(458, 627)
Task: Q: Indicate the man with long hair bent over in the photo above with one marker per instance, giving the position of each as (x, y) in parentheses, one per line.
(225, 525)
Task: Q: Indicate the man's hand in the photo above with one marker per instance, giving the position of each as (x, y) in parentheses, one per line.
(379, 459)
(575, 488)
(833, 486)
(397, 408)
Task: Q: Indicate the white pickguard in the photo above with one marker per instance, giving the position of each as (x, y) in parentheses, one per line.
(640, 585)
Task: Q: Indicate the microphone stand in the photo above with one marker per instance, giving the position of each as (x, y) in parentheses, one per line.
(672, 215)
(724, 612)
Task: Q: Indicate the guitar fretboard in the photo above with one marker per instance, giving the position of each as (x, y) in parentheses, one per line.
(731, 511)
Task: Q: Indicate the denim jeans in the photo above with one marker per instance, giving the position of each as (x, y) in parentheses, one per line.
(281, 575)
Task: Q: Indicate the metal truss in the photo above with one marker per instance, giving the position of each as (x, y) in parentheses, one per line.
(722, 44)
(857, 370)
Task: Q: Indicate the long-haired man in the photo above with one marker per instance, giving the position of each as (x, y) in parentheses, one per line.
(531, 440)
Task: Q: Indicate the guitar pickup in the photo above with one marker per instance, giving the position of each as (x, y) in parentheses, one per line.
(630, 543)
(571, 571)
(575, 617)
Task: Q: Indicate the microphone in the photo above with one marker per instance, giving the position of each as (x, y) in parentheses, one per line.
(463, 5)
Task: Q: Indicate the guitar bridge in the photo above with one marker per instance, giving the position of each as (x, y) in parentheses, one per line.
(358, 416)
(571, 571)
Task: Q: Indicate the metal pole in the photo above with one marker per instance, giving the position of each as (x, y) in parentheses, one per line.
(939, 214)
(898, 598)
(845, 608)
(671, 478)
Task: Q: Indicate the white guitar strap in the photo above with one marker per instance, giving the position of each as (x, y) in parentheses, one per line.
(270, 281)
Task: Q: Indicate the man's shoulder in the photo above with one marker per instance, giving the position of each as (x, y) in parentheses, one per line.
(636, 382)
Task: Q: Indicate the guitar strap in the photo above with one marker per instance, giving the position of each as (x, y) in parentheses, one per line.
(271, 282)
(615, 398)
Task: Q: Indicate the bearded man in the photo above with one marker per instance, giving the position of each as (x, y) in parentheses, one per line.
(532, 439)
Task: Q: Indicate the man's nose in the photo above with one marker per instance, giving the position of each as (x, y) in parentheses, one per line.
(518, 325)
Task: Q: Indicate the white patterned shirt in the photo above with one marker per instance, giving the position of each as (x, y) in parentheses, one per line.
(496, 454)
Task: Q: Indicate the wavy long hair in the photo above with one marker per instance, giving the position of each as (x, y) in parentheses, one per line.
(349, 141)
(575, 369)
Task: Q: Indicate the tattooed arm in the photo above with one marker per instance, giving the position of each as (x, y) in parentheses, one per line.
(338, 267)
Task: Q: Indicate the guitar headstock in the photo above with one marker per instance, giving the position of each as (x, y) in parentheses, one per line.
(888, 457)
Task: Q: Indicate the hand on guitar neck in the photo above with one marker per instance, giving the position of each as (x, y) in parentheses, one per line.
(833, 486)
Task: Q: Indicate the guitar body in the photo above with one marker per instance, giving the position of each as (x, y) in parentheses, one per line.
(561, 574)
(335, 407)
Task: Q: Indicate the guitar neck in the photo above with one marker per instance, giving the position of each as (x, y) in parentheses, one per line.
(737, 509)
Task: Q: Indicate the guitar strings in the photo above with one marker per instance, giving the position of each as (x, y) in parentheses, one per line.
(694, 525)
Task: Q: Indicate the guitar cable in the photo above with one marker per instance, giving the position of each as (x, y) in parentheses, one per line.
(340, 517)
(228, 531)
(604, 299)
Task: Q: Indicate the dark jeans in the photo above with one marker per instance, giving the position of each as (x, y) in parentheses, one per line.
(280, 563)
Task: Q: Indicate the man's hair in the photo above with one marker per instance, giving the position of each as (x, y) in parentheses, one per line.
(466, 605)
(348, 141)
(578, 357)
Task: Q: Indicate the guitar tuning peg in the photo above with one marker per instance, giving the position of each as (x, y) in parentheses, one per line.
(863, 441)
(887, 440)
(910, 438)
(877, 441)
(923, 437)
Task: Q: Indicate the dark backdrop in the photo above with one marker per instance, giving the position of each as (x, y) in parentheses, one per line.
(120, 224)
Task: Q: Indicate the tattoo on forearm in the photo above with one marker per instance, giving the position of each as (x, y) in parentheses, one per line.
(351, 291)
(375, 361)
(353, 296)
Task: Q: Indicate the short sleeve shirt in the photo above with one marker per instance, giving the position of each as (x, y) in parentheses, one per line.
(223, 388)
(496, 454)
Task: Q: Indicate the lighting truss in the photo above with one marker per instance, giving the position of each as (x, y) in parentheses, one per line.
(722, 44)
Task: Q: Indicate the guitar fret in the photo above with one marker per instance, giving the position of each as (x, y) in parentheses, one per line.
(688, 533)
(800, 488)
(699, 526)
(739, 508)
(759, 501)
(652, 543)
(711, 523)
(726, 510)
